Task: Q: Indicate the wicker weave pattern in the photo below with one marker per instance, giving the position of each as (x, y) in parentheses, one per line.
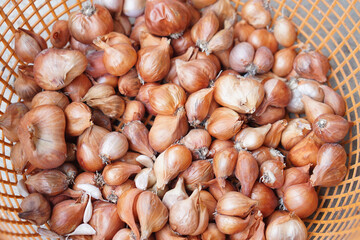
(333, 27)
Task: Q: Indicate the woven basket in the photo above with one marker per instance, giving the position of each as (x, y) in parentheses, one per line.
(333, 27)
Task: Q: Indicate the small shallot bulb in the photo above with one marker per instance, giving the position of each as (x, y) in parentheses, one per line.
(216, 190)
(242, 30)
(262, 37)
(56, 68)
(138, 137)
(95, 67)
(241, 57)
(98, 91)
(251, 138)
(270, 115)
(9, 121)
(198, 104)
(50, 97)
(313, 108)
(334, 100)
(176, 194)
(49, 182)
(67, 215)
(166, 99)
(273, 137)
(91, 21)
(153, 62)
(195, 74)
(293, 176)
(219, 145)
(212, 233)
(119, 172)
(78, 118)
(286, 226)
(267, 200)
(129, 84)
(166, 17)
(86, 178)
(42, 134)
(204, 30)
(242, 94)
(283, 61)
(301, 199)
(284, 32)
(198, 142)
(224, 123)
(35, 208)
(28, 44)
(277, 94)
(18, 158)
(189, 216)
(126, 208)
(143, 95)
(77, 89)
(256, 13)
(60, 34)
(112, 193)
(305, 151)
(224, 164)
(119, 58)
(199, 171)
(182, 44)
(231, 224)
(263, 154)
(331, 128)
(235, 204)
(25, 85)
(246, 171)
(312, 65)
(295, 131)
(88, 148)
(113, 106)
(105, 220)
(170, 163)
(166, 130)
(133, 8)
(330, 169)
(301, 87)
(272, 173)
(152, 213)
(113, 146)
(134, 111)
(263, 61)
(209, 201)
(70, 170)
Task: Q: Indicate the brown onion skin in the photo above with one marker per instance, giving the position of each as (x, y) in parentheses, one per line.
(242, 30)
(95, 67)
(267, 200)
(293, 176)
(85, 154)
(86, 28)
(182, 44)
(263, 60)
(262, 37)
(312, 65)
(285, 32)
(302, 199)
(334, 100)
(166, 17)
(270, 115)
(78, 88)
(60, 34)
(283, 61)
(219, 145)
(105, 220)
(330, 128)
(241, 56)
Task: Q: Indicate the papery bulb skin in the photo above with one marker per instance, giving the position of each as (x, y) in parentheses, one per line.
(312, 65)
(166, 18)
(28, 44)
(42, 134)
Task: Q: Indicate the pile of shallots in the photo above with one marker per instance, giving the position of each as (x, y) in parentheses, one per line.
(221, 158)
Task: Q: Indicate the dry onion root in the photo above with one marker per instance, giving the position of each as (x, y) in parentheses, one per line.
(207, 167)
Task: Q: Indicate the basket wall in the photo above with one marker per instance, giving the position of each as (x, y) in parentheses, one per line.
(333, 27)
